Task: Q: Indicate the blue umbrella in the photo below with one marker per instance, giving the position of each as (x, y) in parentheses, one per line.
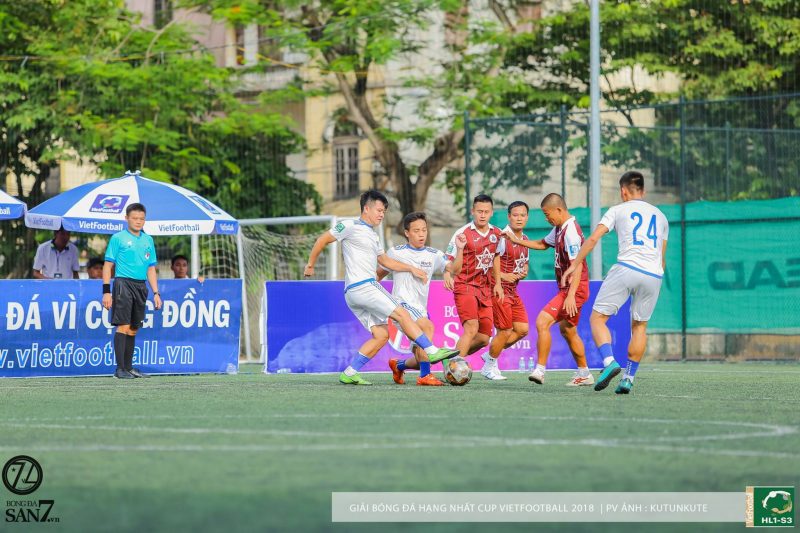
(99, 207)
(10, 207)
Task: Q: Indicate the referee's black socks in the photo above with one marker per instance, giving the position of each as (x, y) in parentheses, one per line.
(120, 348)
(130, 344)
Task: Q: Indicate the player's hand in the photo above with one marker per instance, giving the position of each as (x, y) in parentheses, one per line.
(565, 277)
(157, 301)
(420, 275)
(509, 234)
(201, 279)
(448, 280)
(461, 241)
(308, 271)
(498, 292)
(509, 277)
(107, 300)
(570, 306)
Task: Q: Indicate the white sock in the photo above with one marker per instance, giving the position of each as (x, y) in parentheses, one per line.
(628, 376)
(350, 371)
(430, 350)
(541, 367)
(583, 371)
(608, 360)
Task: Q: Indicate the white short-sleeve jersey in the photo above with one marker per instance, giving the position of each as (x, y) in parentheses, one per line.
(642, 229)
(406, 287)
(360, 248)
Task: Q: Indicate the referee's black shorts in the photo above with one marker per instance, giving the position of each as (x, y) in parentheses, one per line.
(128, 304)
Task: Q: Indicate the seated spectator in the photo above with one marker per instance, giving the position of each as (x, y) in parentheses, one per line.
(180, 268)
(94, 268)
(57, 258)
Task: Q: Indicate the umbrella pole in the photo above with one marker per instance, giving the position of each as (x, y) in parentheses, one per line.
(195, 256)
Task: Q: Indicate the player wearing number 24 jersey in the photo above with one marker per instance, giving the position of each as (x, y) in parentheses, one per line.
(642, 232)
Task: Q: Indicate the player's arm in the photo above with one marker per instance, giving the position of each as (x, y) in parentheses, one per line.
(498, 286)
(382, 273)
(398, 266)
(322, 241)
(664, 256)
(570, 306)
(453, 268)
(588, 245)
(152, 278)
(533, 245)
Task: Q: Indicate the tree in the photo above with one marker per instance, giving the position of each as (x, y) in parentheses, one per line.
(506, 61)
(84, 79)
(742, 48)
(348, 40)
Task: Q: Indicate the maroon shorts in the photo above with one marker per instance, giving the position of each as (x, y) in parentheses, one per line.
(474, 306)
(555, 307)
(508, 311)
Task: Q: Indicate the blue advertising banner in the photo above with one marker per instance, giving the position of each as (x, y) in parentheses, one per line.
(58, 328)
(309, 328)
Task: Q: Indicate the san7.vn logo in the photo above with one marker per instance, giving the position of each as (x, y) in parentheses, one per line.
(30, 511)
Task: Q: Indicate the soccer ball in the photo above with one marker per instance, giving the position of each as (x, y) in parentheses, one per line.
(457, 371)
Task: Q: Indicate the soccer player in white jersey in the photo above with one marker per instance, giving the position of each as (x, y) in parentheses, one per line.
(413, 293)
(365, 297)
(642, 233)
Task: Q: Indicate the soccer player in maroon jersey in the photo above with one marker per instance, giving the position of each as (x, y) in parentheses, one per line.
(473, 287)
(510, 316)
(565, 307)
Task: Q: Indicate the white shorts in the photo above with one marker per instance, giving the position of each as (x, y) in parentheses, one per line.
(621, 283)
(415, 313)
(371, 303)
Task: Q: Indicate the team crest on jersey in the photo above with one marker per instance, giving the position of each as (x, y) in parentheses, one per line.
(485, 260)
(339, 227)
(573, 249)
(493, 238)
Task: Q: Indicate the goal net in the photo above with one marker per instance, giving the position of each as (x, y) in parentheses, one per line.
(266, 249)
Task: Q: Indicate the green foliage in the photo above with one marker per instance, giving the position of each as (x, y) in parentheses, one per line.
(83, 79)
(713, 49)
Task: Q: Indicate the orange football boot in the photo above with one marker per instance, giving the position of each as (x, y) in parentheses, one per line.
(429, 380)
(397, 375)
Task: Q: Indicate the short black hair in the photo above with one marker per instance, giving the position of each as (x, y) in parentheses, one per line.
(94, 261)
(554, 200)
(518, 203)
(372, 196)
(135, 207)
(482, 198)
(633, 180)
(178, 258)
(412, 217)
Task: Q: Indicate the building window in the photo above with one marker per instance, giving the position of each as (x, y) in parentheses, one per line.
(162, 13)
(239, 37)
(346, 168)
